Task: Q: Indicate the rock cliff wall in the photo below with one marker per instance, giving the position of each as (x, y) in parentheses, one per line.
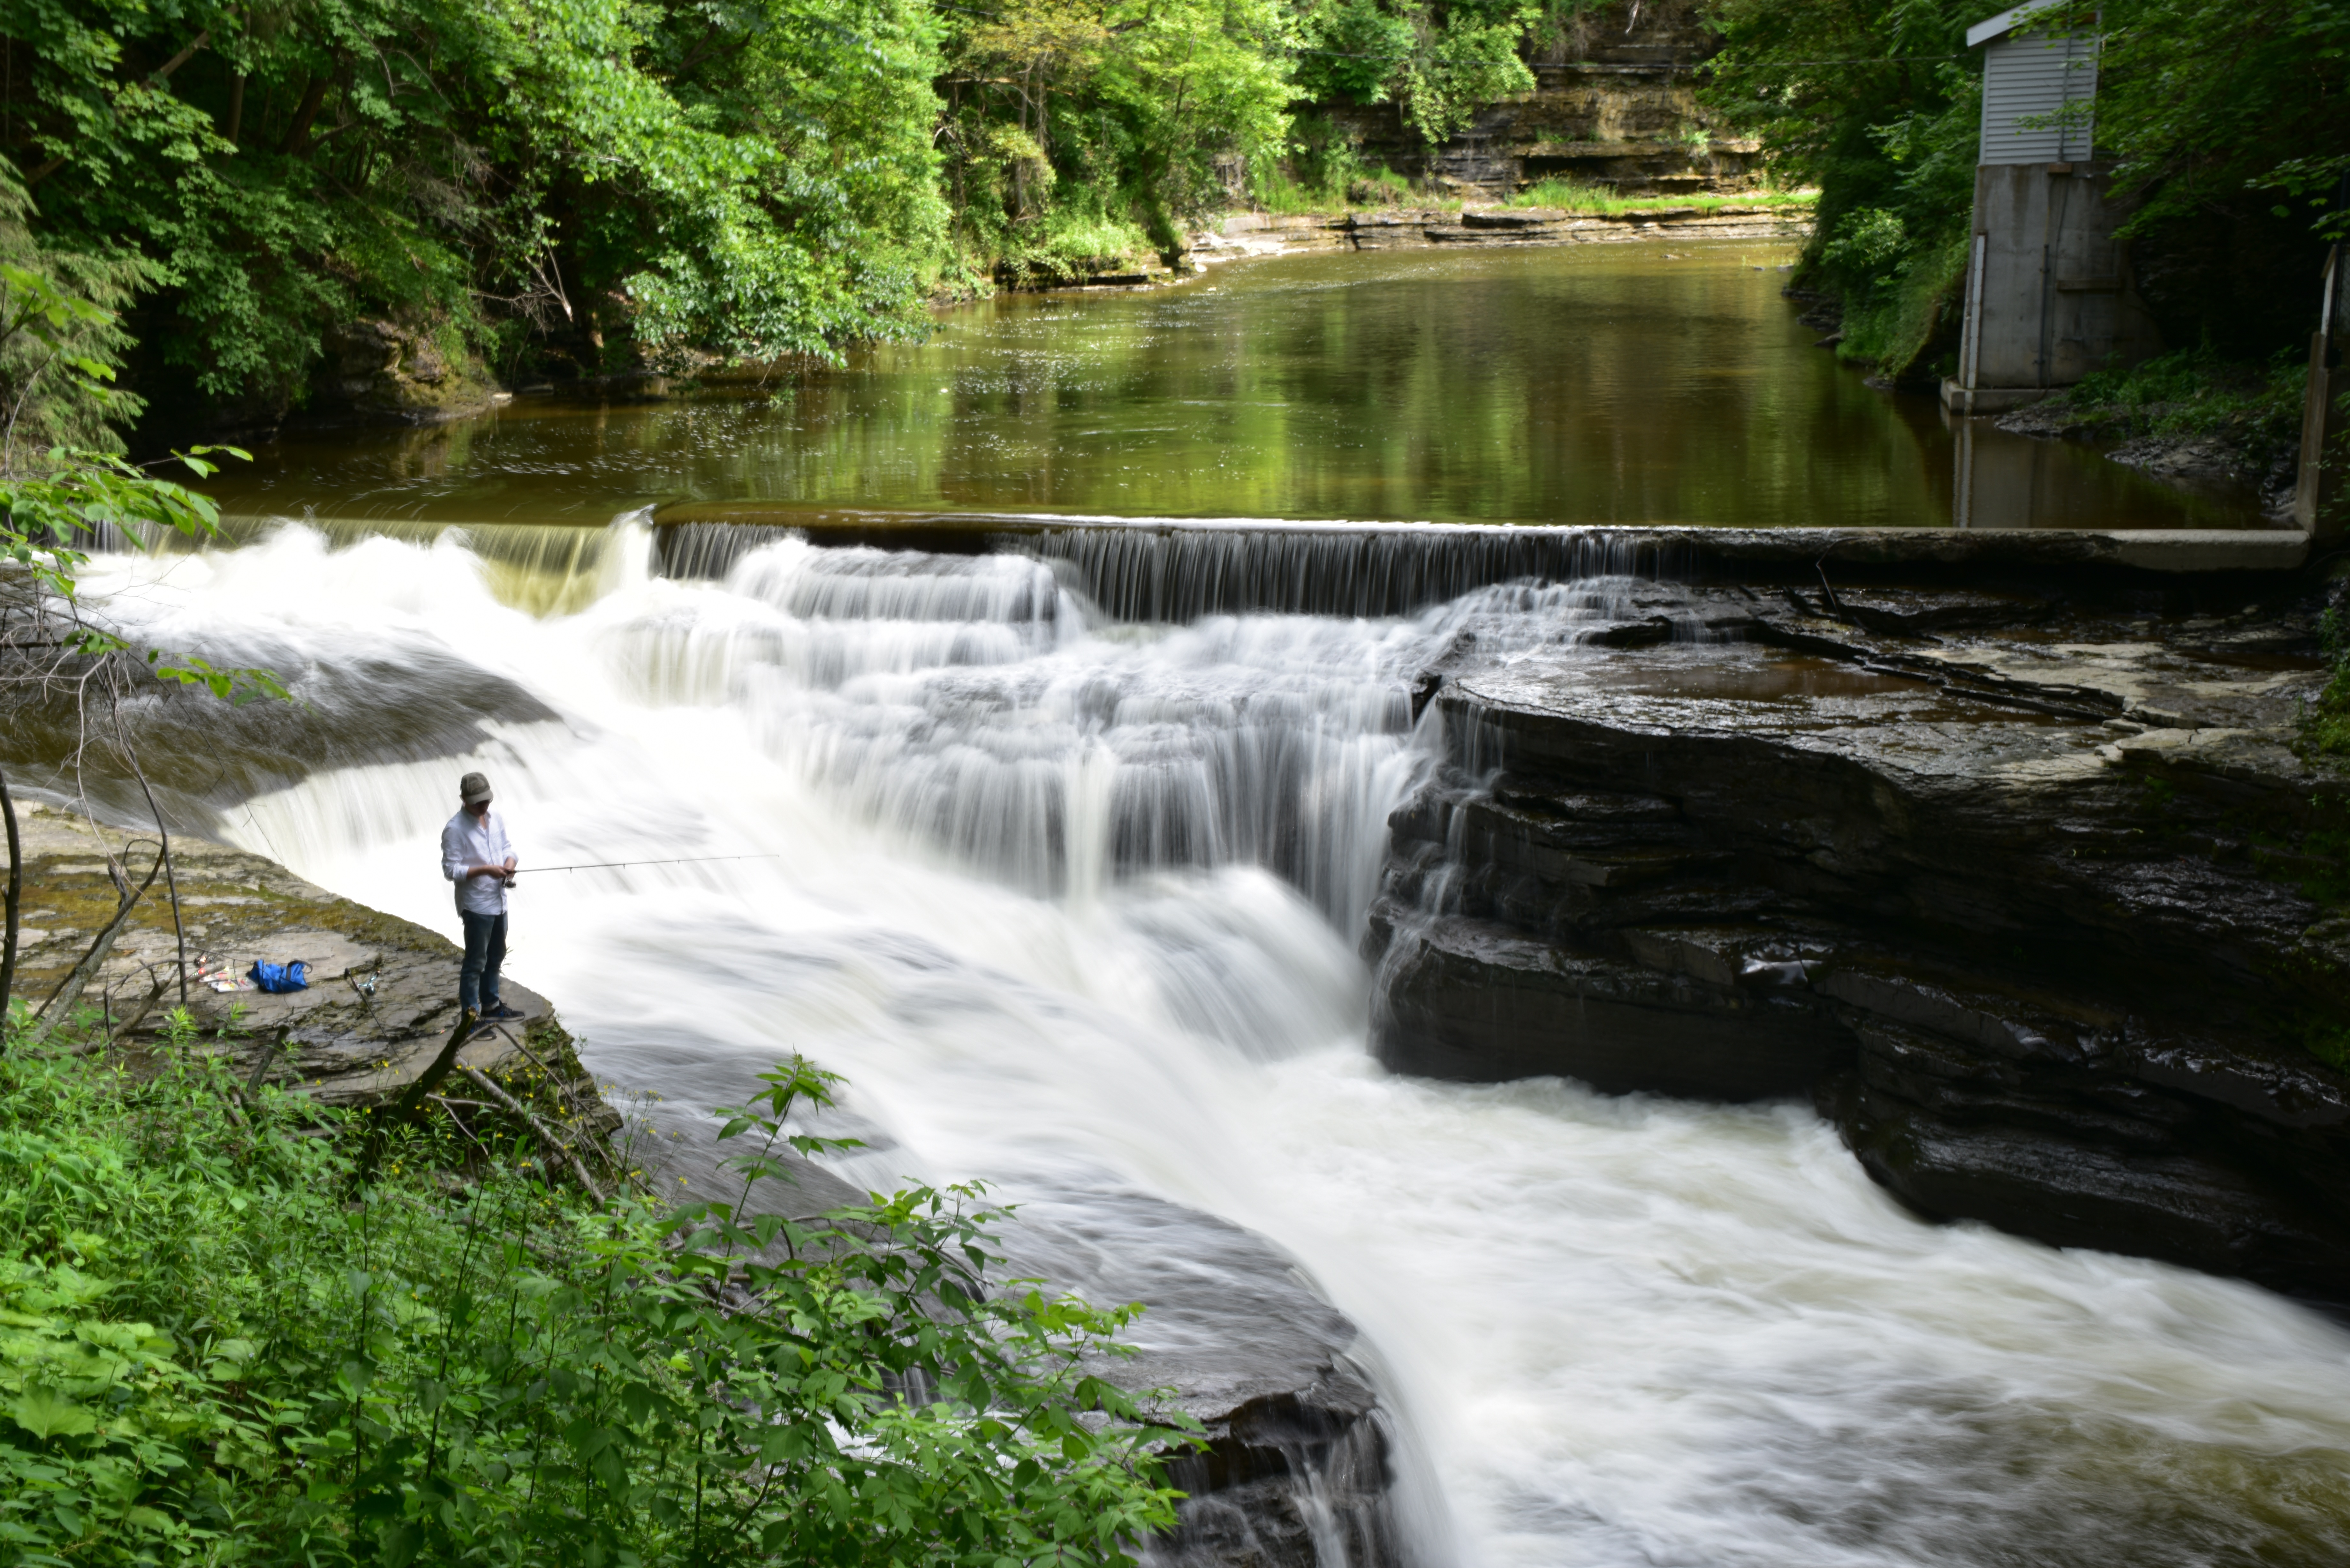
(1614, 103)
(2025, 887)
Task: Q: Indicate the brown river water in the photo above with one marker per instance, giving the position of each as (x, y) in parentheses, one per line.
(1636, 383)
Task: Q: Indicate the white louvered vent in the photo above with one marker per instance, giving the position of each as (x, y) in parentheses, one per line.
(2027, 78)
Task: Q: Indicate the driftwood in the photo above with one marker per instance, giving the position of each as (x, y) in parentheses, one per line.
(562, 1091)
(545, 1136)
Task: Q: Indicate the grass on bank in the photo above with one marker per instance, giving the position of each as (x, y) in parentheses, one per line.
(2195, 392)
(1574, 196)
(216, 1347)
(1354, 189)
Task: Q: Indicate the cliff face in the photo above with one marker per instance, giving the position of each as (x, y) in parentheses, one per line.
(2029, 895)
(1614, 103)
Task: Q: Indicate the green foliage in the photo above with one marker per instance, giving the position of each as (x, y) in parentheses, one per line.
(61, 339)
(1907, 317)
(1462, 65)
(2325, 727)
(1880, 106)
(1573, 196)
(2205, 103)
(213, 1348)
(1352, 50)
(755, 179)
(57, 372)
(2194, 391)
(1442, 62)
(1138, 113)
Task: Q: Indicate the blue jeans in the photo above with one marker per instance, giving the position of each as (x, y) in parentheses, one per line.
(486, 949)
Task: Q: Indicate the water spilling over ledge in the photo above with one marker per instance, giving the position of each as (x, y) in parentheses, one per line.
(1072, 896)
(1172, 570)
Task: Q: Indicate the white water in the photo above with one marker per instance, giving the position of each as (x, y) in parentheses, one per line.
(1027, 901)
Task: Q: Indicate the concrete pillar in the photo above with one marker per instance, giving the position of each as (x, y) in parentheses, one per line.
(2319, 503)
(2048, 292)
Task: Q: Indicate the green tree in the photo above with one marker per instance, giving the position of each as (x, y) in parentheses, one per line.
(619, 181)
(1072, 121)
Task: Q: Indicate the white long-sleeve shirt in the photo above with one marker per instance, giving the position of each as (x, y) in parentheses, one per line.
(467, 842)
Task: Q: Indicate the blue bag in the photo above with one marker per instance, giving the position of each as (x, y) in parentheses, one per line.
(294, 976)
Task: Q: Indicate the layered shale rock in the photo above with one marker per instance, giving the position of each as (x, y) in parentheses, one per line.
(2031, 893)
(382, 993)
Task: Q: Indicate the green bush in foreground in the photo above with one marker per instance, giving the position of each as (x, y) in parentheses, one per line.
(214, 1348)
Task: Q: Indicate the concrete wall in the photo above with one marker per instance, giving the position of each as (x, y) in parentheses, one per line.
(2051, 299)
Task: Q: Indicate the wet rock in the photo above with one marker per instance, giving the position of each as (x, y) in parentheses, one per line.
(1466, 1000)
(1298, 1467)
(2048, 968)
(203, 758)
(2190, 1208)
(1297, 1470)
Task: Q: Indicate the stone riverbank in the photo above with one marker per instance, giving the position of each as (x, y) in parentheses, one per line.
(1393, 228)
(383, 994)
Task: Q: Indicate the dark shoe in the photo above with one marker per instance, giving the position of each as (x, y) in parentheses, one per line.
(498, 1013)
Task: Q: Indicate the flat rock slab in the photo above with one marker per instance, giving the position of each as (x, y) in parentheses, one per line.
(382, 993)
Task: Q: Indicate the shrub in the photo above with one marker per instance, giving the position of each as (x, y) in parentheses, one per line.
(214, 1345)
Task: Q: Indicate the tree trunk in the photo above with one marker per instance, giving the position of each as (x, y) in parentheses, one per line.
(298, 135)
(15, 898)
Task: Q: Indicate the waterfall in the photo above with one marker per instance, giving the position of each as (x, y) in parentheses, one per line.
(1071, 835)
(1167, 572)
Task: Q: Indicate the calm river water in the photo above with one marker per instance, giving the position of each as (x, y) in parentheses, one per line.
(1074, 901)
(1616, 383)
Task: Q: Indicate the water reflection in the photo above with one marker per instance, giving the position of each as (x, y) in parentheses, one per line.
(1622, 383)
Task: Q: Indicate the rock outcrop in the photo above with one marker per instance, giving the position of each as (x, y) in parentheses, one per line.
(2029, 891)
(380, 370)
(383, 994)
(1394, 228)
(1296, 1470)
(1614, 103)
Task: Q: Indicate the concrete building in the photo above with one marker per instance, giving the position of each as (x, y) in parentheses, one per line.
(2048, 292)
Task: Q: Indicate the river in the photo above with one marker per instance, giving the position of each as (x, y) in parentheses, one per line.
(1073, 901)
(1649, 383)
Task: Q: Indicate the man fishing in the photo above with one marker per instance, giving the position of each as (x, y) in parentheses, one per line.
(476, 856)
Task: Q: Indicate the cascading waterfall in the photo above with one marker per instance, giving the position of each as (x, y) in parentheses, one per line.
(1171, 572)
(1071, 896)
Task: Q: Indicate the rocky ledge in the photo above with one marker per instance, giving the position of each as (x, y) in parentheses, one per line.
(383, 994)
(2028, 889)
(1297, 1464)
(1390, 228)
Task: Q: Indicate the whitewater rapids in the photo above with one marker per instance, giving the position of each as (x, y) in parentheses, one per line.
(1074, 905)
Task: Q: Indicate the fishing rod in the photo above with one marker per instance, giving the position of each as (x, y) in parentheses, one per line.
(615, 864)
